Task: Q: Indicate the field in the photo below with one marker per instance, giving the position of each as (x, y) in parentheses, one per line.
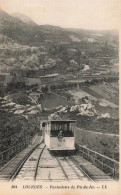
(51, 101)
(113, 112)
(107, 92)
(102, 143)
(105, 97)
(80, 93)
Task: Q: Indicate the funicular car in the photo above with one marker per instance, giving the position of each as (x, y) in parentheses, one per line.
(60, 134)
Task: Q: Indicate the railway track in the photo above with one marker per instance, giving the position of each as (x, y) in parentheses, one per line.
(10, 170)
(82, 170)
(41, 165)
(28, 168)
(72, 170)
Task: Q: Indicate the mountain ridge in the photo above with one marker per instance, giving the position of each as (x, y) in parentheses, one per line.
(40, 47)
(23, 18)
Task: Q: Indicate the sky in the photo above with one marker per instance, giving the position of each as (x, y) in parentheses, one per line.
(87, 14)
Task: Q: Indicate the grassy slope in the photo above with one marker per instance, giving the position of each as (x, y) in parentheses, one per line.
(104, 144)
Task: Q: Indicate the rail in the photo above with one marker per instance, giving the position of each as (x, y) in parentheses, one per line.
(13, 177)
(35, 175)
(108, 165)
(10, 153)
(82, 170)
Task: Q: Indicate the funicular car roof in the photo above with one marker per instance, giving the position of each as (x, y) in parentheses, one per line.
(59, 121)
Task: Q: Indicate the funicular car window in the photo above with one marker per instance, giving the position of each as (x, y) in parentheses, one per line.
(64, 126)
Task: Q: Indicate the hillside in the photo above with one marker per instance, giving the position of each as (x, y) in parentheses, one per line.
(29, 46)
(23, 32)
(24, 18)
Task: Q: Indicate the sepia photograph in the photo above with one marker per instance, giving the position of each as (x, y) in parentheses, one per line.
(59, 95)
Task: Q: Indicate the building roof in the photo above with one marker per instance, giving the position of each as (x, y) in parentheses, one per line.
(50, 75)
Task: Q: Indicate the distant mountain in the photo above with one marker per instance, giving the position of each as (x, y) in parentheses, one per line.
(24, 32)
(29, 46)
(24, 18)
(18, 30)
(4, 15)
(112, 32)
